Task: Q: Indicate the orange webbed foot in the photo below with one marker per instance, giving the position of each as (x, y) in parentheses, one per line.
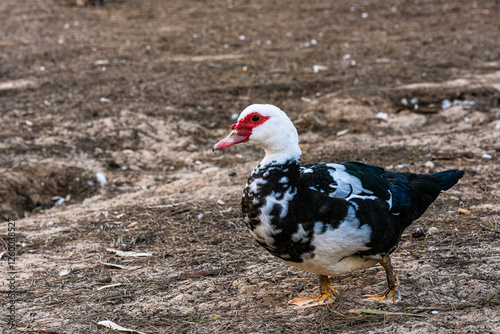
(328, 296)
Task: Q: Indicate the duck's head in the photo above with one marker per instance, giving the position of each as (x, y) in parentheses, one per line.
(265, 126)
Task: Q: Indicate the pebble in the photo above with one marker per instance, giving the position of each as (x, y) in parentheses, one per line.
(419, 233)
(463, 211)
(432, 230)
(486, 156)
(105, 100)
(434, 312)
(382, 115)
(101, 178)
(220, 202)
(60, 201)
(429, 164)
(29, 123)
(497, 126)
(446, 104)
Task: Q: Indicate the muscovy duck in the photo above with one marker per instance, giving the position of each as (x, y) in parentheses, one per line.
(327, 218)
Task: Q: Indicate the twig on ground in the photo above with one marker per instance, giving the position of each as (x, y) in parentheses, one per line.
(384, 313)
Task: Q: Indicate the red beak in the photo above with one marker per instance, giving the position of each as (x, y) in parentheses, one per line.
(232, 139)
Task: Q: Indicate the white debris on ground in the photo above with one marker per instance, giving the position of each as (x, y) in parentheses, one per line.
(101, 178)
(382, 115)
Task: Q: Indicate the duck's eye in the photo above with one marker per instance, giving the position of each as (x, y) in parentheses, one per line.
(255, 118)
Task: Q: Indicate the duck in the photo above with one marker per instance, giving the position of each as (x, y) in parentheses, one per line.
(328, 219)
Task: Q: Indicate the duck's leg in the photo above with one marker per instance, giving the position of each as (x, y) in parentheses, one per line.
(328, 294)
(392, 292)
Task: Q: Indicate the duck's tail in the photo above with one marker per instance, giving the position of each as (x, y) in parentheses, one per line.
(424, 189)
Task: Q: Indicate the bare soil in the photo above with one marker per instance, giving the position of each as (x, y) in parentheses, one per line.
(141, 90)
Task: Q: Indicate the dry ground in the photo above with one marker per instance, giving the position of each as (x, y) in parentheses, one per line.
(140, 90)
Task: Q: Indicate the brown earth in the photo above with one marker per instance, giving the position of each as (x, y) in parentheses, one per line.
(141, 90)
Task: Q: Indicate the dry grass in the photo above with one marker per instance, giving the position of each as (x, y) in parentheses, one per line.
(169, 96)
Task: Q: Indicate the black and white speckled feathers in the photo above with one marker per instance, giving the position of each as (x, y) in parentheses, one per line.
(349, 212)
(325, 218)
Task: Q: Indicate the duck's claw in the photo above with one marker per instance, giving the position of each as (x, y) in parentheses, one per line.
(328, 296)
(386, 296)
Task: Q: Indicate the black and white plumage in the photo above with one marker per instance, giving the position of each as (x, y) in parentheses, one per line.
(326, 218)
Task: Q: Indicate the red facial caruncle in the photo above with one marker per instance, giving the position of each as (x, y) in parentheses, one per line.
(242, 130)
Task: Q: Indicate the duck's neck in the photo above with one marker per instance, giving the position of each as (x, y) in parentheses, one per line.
(281, 157)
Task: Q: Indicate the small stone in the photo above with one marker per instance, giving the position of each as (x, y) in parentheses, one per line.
(463, 211)
(446, 104)
(382, 116)
(101, 178)
(434, 312)
(486, 156)
(220, 202)
(419, 233)
(429, 164)
(432, 230)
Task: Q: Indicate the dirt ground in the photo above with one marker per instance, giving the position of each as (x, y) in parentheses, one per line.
(139, 91)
